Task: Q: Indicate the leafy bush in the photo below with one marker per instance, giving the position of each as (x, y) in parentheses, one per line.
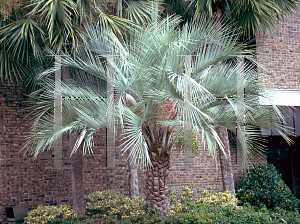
(45, 214)
(205, 213)
(109, 207)
(225, 199)
(112, 203)
(180, 201)
(264, 185)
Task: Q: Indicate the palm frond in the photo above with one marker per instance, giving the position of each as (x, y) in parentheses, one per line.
(115, 23)
(20, 39)
(54, 14)
(260, 17)
(138, 11)
(81, 114)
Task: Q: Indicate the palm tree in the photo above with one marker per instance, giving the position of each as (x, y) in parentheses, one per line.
(152, 68)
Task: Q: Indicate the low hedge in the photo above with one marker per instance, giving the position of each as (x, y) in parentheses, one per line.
(202, 213)
(45, 214)
(111, 207)
(112, 203)
(180, 200)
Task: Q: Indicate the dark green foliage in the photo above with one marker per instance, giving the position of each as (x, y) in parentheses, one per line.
(264, 185)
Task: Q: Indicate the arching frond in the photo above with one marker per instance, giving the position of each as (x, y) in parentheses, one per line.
(81, 114)
(54, 14)
(20, 39)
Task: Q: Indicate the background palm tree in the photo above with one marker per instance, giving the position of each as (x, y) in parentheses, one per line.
(80, 119)
(55, 24)
(254, 17)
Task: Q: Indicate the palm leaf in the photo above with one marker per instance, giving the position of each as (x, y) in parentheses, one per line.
(19, 38)
(54, 14)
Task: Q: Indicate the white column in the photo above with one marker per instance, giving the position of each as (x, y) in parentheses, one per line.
(110, 113)
(188, 155)
(58, 113)
(241, 112)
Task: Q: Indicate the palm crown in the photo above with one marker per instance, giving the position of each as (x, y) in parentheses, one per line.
(151, 67)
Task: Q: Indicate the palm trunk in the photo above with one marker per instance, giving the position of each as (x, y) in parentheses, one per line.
(77, 169)
(133, 181)
(225, 163)
(77, 176)
(156, 185)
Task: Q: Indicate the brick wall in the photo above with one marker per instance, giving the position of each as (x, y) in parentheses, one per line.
(197, 171)
(27, 183)
(279, 52)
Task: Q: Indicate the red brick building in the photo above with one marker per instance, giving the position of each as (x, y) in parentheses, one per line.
(280, 54)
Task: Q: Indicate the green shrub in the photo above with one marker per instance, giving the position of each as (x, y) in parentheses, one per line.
(181, 201)
(264, 185)
(225, 199)
(45, 214)
(112, 203)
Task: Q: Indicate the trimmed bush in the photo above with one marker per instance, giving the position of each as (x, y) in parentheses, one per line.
(109, 207)
(224, 199)
(180, 201)
(45, 214)
(203, 213)
(263, 185)
(112, 203)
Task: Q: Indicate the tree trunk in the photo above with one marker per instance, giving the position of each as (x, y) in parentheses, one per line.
(77, 176)
(225, 163)
(156, 185)
(133, 181)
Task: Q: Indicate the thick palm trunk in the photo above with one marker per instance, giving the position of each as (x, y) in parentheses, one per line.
(133, 181)
(77, 177)
(225, 163)
(156, 185)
